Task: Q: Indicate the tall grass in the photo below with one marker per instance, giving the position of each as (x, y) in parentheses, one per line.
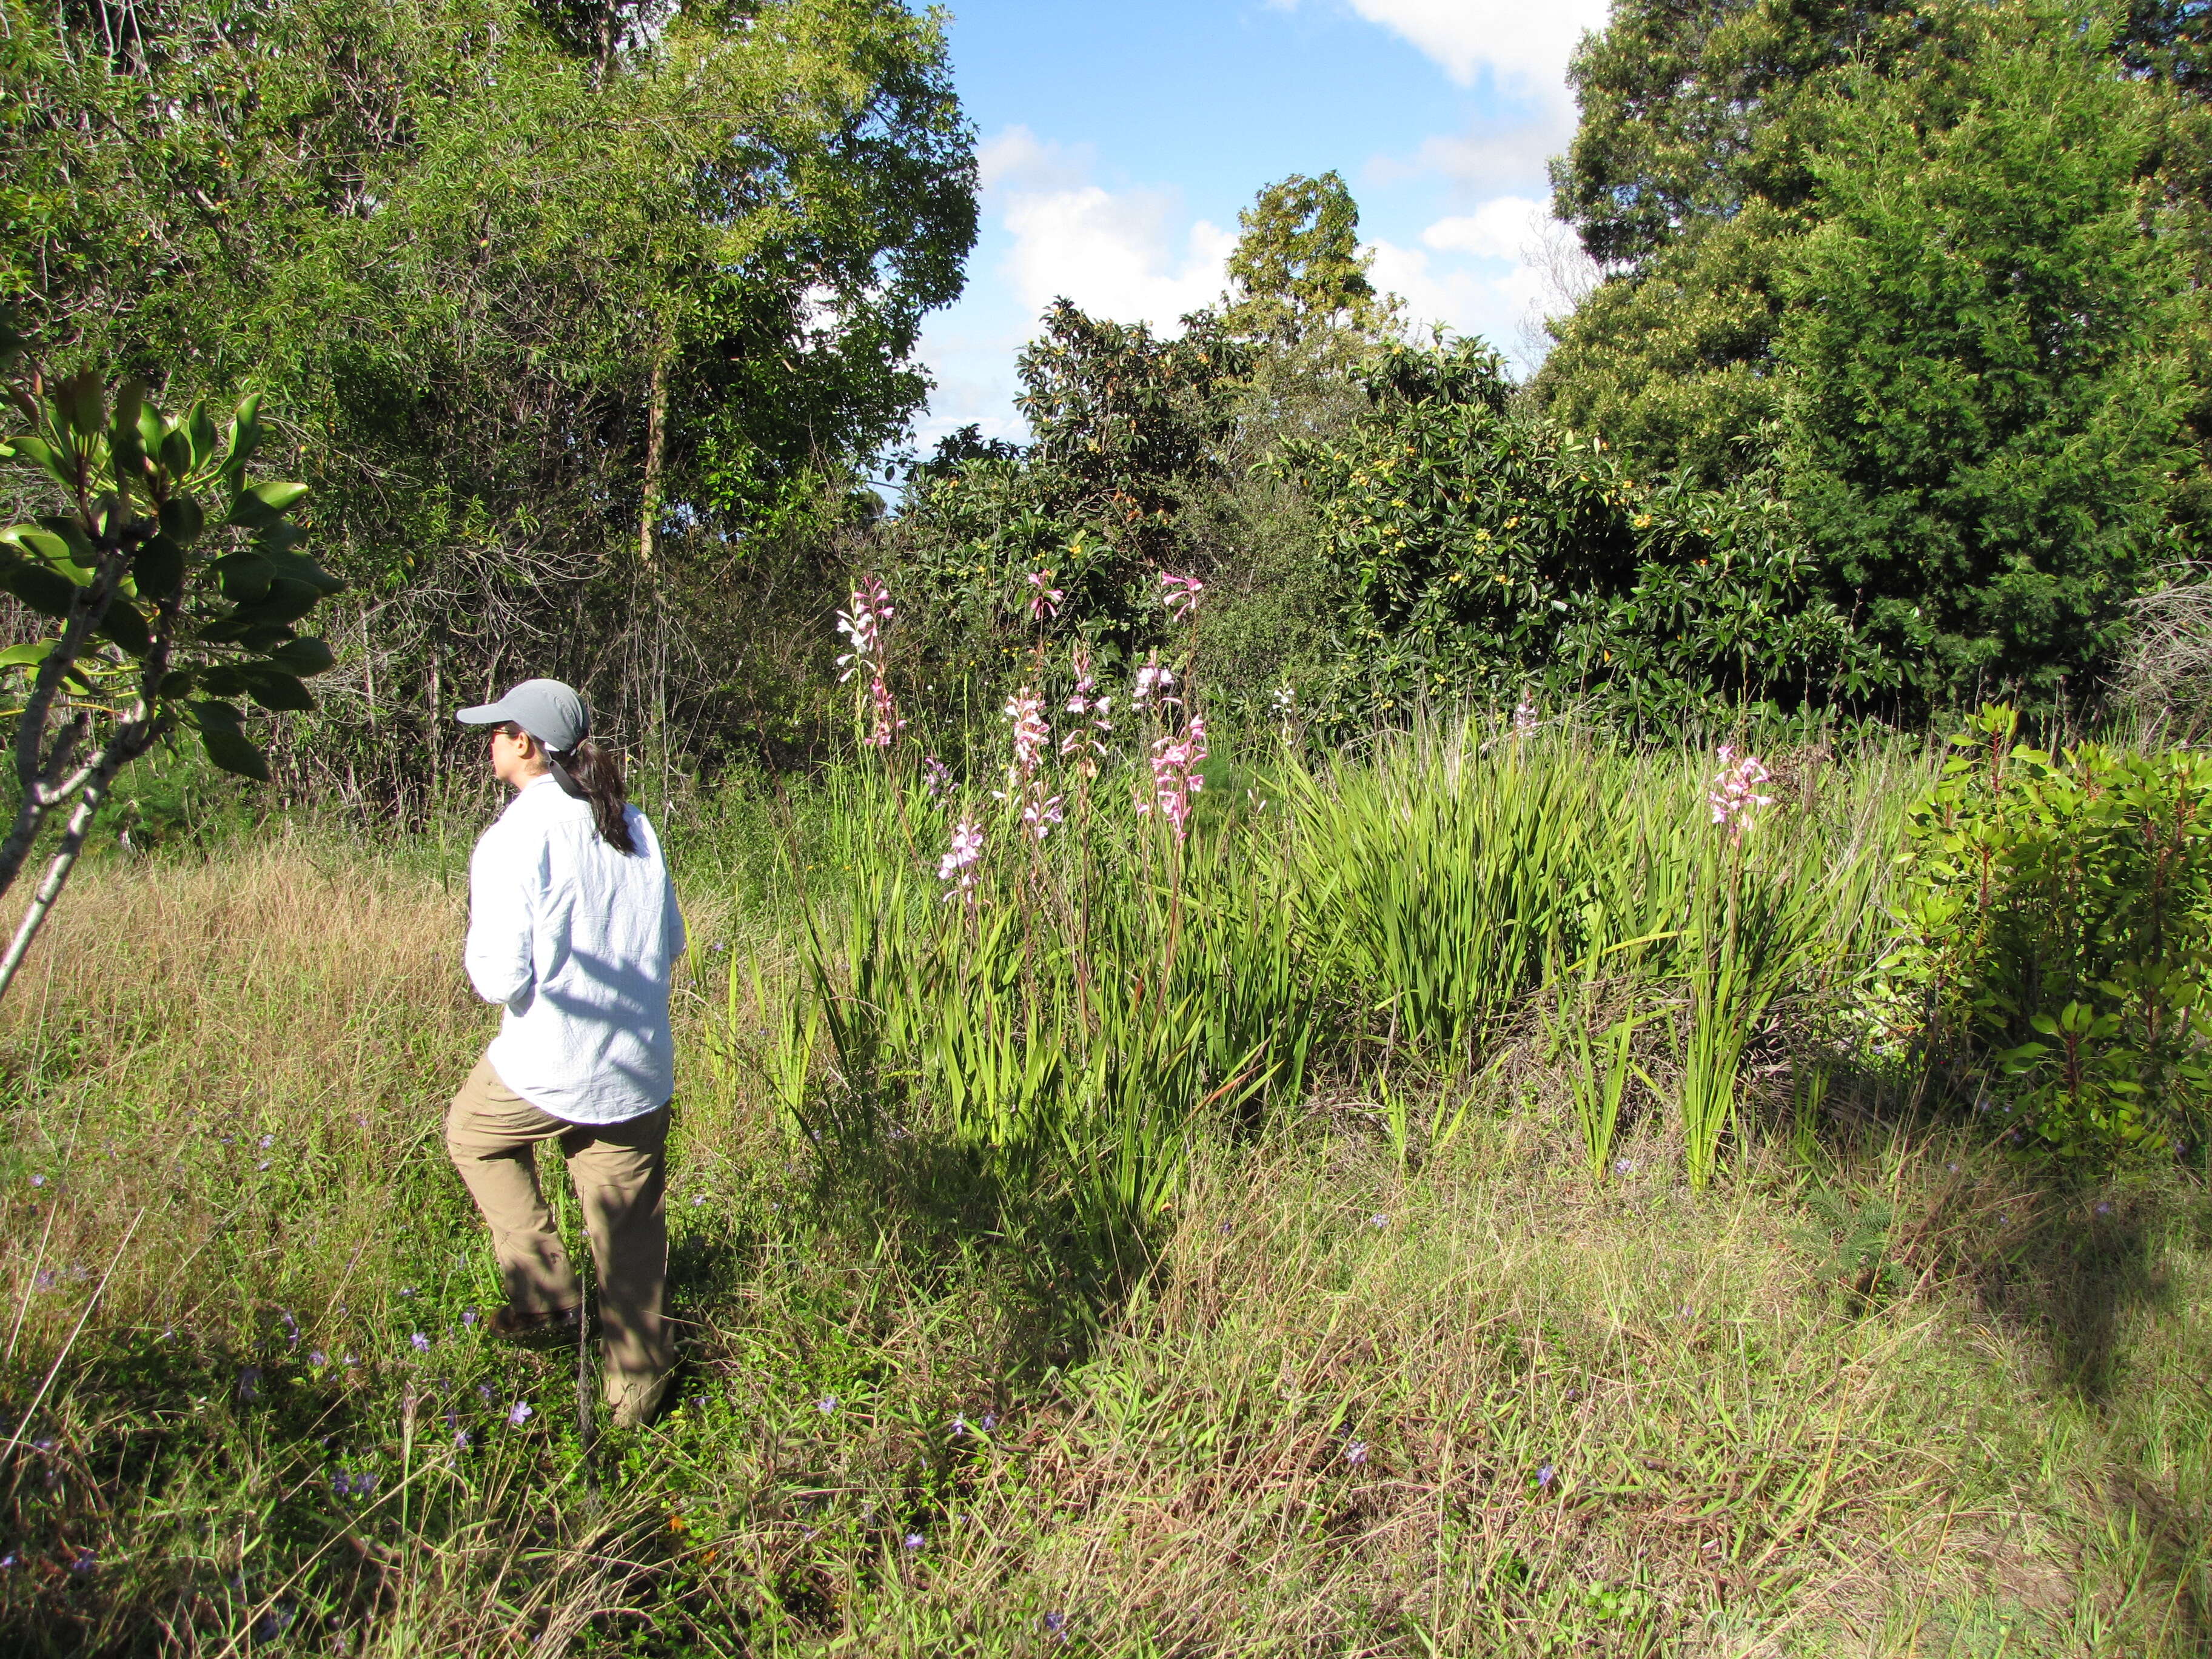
(1102, 1001)
(1052, 1335)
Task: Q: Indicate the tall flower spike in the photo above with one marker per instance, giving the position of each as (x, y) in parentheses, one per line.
(1734, 797)
(1045, 601)
(862, 625)
(959, 865)
(1026, 710)
(888, 720)
(1175, 776)
(1153, 681)
(1180, 594)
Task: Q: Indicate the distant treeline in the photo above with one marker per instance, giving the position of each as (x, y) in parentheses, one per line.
(592, 327)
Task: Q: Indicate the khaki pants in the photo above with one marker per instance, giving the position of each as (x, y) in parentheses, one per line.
(619, 1172)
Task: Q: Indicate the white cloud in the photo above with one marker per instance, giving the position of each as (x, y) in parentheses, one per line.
(1527, 266)
(1526, 46)
(1501, 228)
(1116, 254)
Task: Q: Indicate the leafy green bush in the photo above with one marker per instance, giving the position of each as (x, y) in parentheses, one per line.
(2059, 914)
(1489, 552)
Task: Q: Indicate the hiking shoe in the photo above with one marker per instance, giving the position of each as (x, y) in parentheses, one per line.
(634, 1403)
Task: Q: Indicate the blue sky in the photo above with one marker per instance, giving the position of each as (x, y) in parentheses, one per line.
(1118, 143)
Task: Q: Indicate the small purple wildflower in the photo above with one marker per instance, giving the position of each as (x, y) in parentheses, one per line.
(249, 1383)
(1355, 1453)
(460, 1439)
(421, 1343)
(2105, 1208)
(7, 1560)
(85, 1562)
(912, 1540)
(990, 1422)
(1057, 1624)
(267, 1142)
(1378, 1219)
(959, 1426)
(469, 1319)
(518, 1414)
(827, 1404)
(317, 1357)
(1544, 1475)
(45, 1281)
(483, 1391)
(37, 1181)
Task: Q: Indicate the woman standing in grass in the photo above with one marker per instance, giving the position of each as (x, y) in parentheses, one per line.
(572, 928)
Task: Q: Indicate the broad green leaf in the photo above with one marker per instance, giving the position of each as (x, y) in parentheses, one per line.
(40, 453)
(224, 680)
(40, 543)
(230, 749)
(27, 656)
(176, 456)
(303, 657)
(214, 712)
(128, 454)
(123, 624)
(287, 601)
(182, 520)
(265, 503)
(47, 592)
(72, 532)
(81, 402)
(201, 429)
(244, 439)
(274, 689)
(263, 636)
(158, 568)
(301, 568)
(245, 576)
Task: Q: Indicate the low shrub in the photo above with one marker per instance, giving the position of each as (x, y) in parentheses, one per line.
(2058, 910)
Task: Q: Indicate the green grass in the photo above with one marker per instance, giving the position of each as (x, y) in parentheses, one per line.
(1374, 1351)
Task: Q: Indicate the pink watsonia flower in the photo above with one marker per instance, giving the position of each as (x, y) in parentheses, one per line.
(1734, 796)
(1079, 701)
(1153, 681)
(1040, 814)
(1176, 777)
(936, 777)
(1524, 716)
(1045, 600)
(1031, 735)
(863, 626)
(1086, 704)
(888, 721)
(959, 865)
(1180, 594)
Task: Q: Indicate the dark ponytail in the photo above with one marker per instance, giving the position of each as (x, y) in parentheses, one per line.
(596, 776)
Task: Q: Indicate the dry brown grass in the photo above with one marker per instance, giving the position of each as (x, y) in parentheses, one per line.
(1745, 1457)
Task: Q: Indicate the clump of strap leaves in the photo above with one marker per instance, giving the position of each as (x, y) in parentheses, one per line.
(166, 591)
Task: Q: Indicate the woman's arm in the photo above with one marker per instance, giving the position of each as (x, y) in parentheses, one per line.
(498, 954)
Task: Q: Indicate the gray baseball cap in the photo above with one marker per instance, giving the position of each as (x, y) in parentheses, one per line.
(550, 712)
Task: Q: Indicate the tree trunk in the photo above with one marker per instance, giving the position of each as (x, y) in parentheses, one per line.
(656, 419)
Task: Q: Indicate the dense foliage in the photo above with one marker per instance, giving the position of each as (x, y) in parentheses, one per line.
(2059, 911)
(1986, 401)
(166, 588)
(1486, 551)
(578, 318)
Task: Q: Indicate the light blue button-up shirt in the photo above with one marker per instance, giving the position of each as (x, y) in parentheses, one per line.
(577, 941)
